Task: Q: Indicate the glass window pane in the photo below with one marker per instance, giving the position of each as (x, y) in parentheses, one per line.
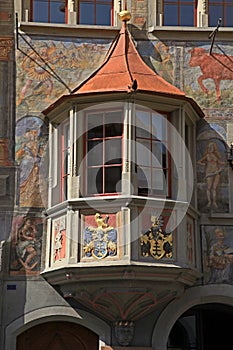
(95, 126)
(113, 124)
(157, 154)
(215, 12)
(56, 16)
(103, 14)
(95, 153)
(158, 126)
(144, 178)
(112, 179)
(143, 124)
(113, 151)
(95, 180)
(229, 16)
(114, 129)
(143, 153)
(187, 15)
(66, 162)
(158, 180)
(40, 11)
(86, 15)
(164, 156)
(170, 15)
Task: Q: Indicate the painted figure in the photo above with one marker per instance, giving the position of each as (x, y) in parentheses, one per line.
(28, 246)
(29, 154)
(165, 67)
(220, 260)
(58, 245)
(190, 243)
(213, 168)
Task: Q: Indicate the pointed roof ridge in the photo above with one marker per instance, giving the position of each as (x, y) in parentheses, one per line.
(123, 70)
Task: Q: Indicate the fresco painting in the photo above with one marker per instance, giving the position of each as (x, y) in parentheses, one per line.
(69, 62)
(196, 69)
(217, 245)
(31, 143)
(158, 56)
(190, 245)
(212, 170)
(72, 61)
(26, 245)
(209, 78)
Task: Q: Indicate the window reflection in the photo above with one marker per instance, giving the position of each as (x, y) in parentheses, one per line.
(95, 12)
(151, 153)
(47, 11)
(104, 152)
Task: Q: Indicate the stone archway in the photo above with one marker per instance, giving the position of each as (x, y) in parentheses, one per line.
(58, 335)
(193, 297)
(204, 327)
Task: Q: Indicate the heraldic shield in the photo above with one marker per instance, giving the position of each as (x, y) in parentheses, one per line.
(100, 241)
(156, 242)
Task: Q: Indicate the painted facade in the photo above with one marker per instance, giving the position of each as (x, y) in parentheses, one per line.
(40, 252)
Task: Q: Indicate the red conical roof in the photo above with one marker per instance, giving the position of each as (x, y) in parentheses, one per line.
(124, 71)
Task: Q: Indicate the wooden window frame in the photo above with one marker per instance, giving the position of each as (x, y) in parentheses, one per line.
(180, 3)
(225, 5)
(102, 139)
(153, 192)
(65, 159)
(49, 12)
(96, 3)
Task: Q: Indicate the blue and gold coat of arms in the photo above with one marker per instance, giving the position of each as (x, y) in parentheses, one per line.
(100, 241)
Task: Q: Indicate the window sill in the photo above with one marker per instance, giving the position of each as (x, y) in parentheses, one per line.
(54, 29)
(187, 33)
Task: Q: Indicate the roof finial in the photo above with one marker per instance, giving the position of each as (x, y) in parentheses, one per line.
(124, 15)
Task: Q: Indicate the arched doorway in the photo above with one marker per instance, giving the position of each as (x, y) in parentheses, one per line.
(203, 327)
(58, 336)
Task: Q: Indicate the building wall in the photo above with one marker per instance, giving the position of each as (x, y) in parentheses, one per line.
(73, 54)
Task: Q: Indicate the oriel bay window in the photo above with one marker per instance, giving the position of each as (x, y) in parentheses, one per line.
(152, 156)
(104, 152)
